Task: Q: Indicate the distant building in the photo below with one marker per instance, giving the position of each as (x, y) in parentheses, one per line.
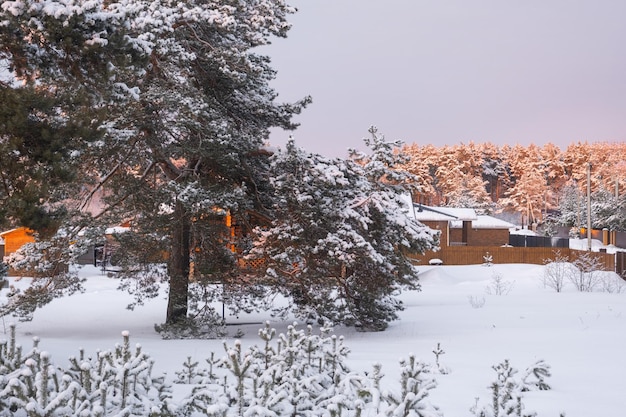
(15, 239)
(463, 227)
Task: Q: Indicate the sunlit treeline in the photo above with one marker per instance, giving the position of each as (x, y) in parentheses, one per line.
(528, 179)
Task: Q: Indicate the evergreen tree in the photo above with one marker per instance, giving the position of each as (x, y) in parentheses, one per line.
(181, 106)
(527, 196)
(341, 231)
(494, 170)
(471, 193)
(572, 206)
(419, 165)
(607, 210)
(65, 69)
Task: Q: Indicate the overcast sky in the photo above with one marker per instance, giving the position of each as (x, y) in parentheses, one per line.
(452, 71)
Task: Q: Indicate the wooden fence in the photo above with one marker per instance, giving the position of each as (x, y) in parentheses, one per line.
(469, 255)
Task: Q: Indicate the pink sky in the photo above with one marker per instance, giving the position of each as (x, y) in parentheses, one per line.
(455, 71)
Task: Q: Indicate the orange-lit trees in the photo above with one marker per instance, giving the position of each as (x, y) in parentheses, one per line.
(553, 167)
(420, 165)
(494, 170)
(527, 196)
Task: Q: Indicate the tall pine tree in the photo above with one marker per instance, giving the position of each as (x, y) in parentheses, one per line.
(182, 107)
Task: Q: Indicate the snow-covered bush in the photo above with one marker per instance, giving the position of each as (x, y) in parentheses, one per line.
(205, 326)
(415, 387)
(585, 276)
(584, 273)
(302, 373)
(11, 355)
(476, 301)
(535, 377)
(555, 272)
(295, 373)
(47, 262)
(193, 374)
(507, 390)
(611, 283)
(120, 381)
(112, 383)
(498, 285)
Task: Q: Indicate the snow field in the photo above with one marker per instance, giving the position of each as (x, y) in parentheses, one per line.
(580, 335)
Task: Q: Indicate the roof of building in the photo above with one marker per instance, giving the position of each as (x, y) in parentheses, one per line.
(9, 232)
(484, 222)
(426, 213)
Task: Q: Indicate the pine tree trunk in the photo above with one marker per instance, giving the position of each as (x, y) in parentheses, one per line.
(178, 267)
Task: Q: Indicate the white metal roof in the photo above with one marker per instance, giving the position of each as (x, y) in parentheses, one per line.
(484, 222)
(423, 212)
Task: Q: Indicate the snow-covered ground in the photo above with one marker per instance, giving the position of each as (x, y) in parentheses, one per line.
(581, 335)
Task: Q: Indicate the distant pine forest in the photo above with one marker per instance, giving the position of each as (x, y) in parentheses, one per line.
(531, 181)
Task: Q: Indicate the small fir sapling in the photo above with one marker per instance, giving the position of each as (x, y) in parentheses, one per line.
(11, 353)
(120, 381)
(505, 394)
(438, 351)
(374, 392)
(488, 259)
(535, 377)
(310, 364)
(507, 391)
(267, 335)
(415, 389)
(240, 364)
(211, 361)
(304, 375)
(190, 373)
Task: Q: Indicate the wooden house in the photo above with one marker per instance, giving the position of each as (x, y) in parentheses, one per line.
(15, 239)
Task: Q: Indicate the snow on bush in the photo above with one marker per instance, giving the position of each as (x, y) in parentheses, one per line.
(111, 383)
(507, 390)
(585, 273)
(296, 373)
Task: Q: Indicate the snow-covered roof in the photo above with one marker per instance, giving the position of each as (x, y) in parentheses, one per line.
(484, 222)
(515, 230)
(423, 212)
(6, 232)
(429, 213)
